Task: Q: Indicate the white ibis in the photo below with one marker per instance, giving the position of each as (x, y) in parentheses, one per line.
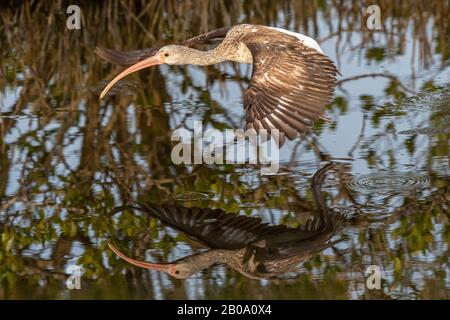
(255, 249)
(292, 79)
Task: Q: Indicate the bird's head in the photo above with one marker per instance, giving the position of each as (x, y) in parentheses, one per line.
(171, 54)
(178, 269)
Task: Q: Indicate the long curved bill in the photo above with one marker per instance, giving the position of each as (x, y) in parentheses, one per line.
(142, 264)
(152, 61)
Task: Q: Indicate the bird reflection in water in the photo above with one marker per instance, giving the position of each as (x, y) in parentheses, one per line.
(255, 249)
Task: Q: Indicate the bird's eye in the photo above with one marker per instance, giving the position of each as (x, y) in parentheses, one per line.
(176, 272)
(166, 54)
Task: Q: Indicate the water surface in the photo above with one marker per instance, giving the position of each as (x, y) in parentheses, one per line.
(67, 158)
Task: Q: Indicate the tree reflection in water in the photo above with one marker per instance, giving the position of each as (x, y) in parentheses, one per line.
(67, 160)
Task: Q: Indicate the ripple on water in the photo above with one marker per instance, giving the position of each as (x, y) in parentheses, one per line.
(426, 131)
(388, 182)
(193, 196)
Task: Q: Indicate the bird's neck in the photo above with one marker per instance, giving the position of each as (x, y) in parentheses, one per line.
(232, 258)
(206, 259)
(206, 58)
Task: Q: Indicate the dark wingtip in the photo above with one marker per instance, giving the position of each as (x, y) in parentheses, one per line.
(112, 56)
(326, 118)
(124, 58)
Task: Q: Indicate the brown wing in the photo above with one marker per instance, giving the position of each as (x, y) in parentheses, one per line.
(132, 57)
(207, 38)
(214, 228)
(290, 86)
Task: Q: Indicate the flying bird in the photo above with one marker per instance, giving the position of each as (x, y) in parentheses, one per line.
(292, 79)
(255, 249)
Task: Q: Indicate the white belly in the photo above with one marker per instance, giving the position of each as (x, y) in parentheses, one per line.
(307, 41)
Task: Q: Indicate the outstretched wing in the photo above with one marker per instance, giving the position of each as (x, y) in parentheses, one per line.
(212, 227)
(132, 57)
(291, 83)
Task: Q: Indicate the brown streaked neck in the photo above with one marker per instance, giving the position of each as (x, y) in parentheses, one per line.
(206, 259)
(205, 58)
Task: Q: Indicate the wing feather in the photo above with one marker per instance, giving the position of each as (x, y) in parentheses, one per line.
(214, 228)
(291, 83)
